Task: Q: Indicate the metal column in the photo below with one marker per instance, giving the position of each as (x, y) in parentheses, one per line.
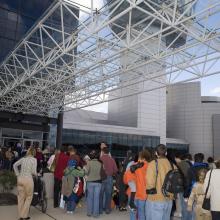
(59, 130)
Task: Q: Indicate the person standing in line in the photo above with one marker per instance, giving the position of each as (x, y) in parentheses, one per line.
(51, 163)
(103, 145)
(199, 164)
(9, 156)
(211, 163)
(61, 164)
(25, 182)
(93, 170)
(197, 196)
(214, 190)
(185, 166)
(72, 185)
(139, 169)
(74, 156)
(158, 207)
(110, 170)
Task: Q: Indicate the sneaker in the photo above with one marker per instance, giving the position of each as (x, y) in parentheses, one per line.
(69, 212)
(132, 208)
(122, 209)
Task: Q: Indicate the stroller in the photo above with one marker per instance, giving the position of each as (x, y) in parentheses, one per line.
(39, 196)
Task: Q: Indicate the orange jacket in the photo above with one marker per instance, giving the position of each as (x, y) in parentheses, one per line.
(129, 176)
(141, 182)
(139, 177)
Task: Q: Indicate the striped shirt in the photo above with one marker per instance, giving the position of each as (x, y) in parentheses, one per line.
(28, 166)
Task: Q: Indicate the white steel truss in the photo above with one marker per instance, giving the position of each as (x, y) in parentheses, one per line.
(69, 60)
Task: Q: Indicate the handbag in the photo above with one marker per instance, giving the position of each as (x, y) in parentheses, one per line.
(153, 191)
(206, 202)
(62, 202)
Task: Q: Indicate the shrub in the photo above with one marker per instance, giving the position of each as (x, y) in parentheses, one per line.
(7, 180)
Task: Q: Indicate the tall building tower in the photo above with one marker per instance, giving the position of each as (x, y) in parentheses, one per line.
(144, 110)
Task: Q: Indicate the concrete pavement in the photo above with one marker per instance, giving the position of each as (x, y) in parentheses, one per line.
(10, 213)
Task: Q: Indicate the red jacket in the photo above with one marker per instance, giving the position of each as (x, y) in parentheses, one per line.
(61, 164)
(109, 165)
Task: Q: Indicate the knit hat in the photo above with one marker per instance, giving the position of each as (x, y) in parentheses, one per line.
(72, 163)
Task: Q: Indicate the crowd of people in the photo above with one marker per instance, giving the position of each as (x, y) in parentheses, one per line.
(9, 155)
(150, 185)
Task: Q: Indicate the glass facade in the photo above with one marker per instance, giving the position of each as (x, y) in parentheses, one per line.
(119, 143)
(11, 137)
(16, 18)
(183, 148)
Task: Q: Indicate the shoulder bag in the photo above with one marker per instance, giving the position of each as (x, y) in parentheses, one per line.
(206, 202)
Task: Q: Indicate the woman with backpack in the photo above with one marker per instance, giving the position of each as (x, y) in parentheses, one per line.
(212, 181)
(158, 206)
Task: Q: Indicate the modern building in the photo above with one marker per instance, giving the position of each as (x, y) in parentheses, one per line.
(86, 129)
(194, 118)
(135, 118)
(17, 19)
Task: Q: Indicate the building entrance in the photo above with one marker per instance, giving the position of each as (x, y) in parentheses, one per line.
(12, 137)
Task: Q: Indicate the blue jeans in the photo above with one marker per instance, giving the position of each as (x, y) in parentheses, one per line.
(186, 215)
(71, 202)
(106, 195)
(155, 210)
(93, 195)
(70, 206)
(140, 204)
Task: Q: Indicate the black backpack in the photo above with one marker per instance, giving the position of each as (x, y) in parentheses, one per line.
(173, 182)
(189, 180)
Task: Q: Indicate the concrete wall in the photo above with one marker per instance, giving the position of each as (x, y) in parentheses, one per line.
(145, 110)
(216, 135)
(190, 119)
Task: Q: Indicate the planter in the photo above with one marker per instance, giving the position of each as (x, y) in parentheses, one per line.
(8, 199)
(7, 185)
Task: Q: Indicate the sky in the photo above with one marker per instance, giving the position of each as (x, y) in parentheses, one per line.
(210, 86)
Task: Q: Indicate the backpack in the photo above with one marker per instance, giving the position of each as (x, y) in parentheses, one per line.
(188, 180)
(78, 186)
(173, 182)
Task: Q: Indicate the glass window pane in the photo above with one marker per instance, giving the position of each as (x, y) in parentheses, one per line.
(7, 132)
(32, 135)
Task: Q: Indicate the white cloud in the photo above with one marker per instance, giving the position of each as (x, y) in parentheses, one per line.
(103, 107)
(215, 91)
(87, 3)
(85, 6)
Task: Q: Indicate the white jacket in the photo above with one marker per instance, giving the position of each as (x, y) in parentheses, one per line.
(214, 189)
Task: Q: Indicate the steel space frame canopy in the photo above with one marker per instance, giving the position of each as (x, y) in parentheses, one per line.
(57, 67)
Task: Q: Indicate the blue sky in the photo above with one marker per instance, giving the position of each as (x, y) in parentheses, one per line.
(210, 85)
